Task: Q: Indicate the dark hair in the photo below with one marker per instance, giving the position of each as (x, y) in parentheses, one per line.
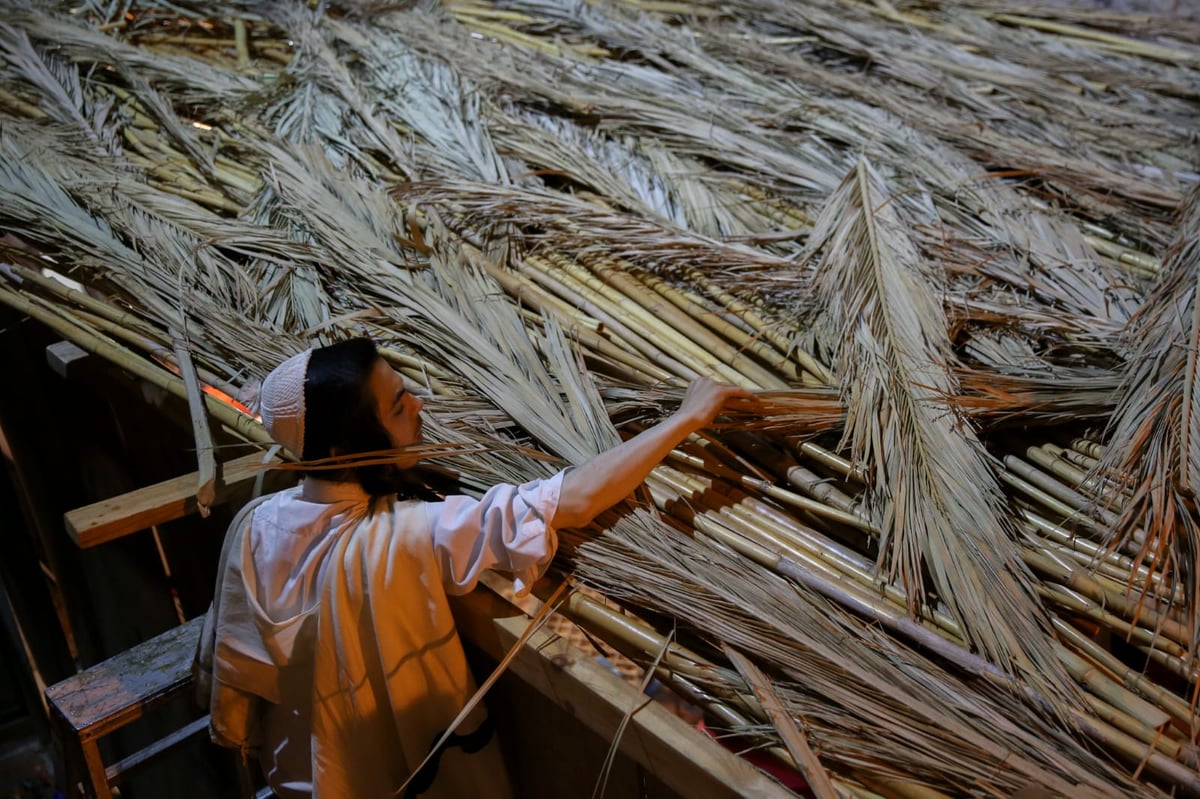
(340, 415)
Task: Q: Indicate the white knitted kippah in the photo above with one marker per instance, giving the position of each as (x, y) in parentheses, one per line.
(281, 402)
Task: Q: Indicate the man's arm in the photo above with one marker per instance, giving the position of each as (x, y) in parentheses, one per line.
(611, 476)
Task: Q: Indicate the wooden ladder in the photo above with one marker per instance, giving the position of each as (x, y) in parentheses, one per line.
(100, 700)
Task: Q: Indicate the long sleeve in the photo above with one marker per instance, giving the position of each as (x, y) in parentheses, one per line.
(508, 529)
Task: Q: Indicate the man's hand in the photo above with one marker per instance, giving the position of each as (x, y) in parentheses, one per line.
(705, 398)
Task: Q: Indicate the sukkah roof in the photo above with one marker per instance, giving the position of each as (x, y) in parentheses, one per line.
(954, 246)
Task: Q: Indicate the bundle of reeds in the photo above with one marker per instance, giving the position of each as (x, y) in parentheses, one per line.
(952, 550)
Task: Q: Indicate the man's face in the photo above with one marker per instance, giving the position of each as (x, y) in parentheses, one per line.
(398, 408)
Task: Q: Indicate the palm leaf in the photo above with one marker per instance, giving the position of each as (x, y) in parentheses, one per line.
(1155, 434)
(932, 492)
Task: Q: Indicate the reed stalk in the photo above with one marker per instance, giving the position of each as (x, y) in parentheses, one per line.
(644, 323)
(612, 272)
(687, 303)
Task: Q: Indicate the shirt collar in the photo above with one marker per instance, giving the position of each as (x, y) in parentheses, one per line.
(328, 491)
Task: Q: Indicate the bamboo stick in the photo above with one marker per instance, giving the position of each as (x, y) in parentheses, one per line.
(1114, 694)
(754, 344)
(588, 332)
(1089, 609)
(1100, 568)
(1084, 462)
(1104, 732)
(642, 643)
(1051, 459)
(1089, 448)
(788, 212)
(832, 461)
(618, 276)
(1134, 751)
(1144, 264)
(764, 328)
(241, 43)
(776, 530)
(577, 326)
(1093, 589)
(647, 325)
(1174, 661)
(540, 273)
(27, 109)
(1069, 513)
(1179, 711)
(812, 506)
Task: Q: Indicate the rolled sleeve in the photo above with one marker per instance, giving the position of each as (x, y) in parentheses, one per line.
(509, 529)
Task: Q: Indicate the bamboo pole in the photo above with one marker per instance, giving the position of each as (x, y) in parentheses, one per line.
(1179, 711)
(582, 329)
(611, 272)
(766, 329)
(1089, 609)
(1093, 589)
(717, 322)
(585, 330)
(241, 42)
(541, 273)
(645, 324)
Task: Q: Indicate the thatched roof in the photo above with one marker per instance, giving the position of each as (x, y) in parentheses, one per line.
(953, 246)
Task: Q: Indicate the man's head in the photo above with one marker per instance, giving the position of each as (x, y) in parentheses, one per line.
(343, 399)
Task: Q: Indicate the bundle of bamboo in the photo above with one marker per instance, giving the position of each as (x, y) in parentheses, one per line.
(946, 243)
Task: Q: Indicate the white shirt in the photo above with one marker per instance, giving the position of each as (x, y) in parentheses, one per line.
(395, 562)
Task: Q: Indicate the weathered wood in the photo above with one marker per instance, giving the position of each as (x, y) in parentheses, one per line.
(126, 767)
(113, 693)
(688, 762)
(65, 357)
(162, 502)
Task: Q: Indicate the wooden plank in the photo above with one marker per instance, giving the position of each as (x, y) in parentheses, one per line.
(118, 690)
(126, 768)
(690, 763)
(162, 502)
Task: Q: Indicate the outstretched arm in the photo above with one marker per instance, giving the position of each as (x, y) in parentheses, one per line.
(611, 476)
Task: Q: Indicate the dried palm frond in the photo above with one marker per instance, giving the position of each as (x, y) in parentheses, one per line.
(58, 88)
(1155, 433)
(193, 82)
(932, 493)
(478, 185)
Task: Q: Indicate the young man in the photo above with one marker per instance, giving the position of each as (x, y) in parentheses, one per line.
(331, 645)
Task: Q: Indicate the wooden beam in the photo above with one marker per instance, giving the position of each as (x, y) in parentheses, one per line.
(162, 502)
(690, 763)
